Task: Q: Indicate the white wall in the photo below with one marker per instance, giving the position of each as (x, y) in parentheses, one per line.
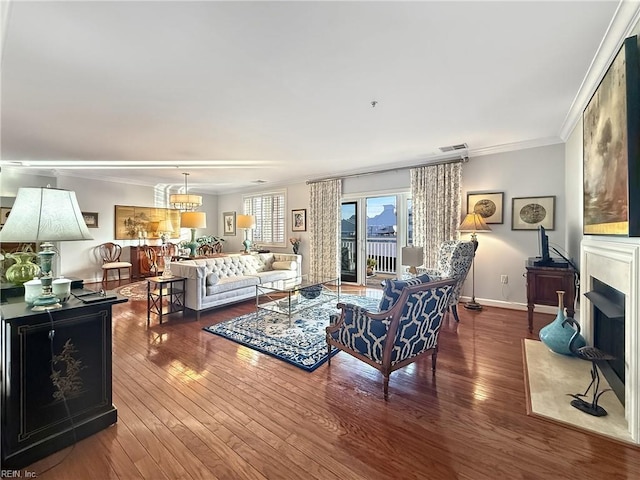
(532, 172)
(524, 173)
(297, 196)
(573, 189)
(78, 259)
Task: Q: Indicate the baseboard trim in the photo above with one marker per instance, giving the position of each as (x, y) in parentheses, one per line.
(511, 305)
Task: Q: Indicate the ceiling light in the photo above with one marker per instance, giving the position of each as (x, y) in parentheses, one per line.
(184, 201)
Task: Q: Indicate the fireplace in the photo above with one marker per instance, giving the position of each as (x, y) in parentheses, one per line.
(610, 274)
(608, 332)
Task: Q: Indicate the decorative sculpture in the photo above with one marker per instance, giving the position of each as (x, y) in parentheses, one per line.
(594, 355)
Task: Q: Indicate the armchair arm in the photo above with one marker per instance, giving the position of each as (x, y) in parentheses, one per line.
(360, 330)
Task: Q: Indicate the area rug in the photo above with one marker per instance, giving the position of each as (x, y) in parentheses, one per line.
(550, 377)
(302, 344)
(133, 291)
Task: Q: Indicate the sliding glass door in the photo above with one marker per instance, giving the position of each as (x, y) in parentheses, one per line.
(349, 242)
(372, 230)
(382, 236)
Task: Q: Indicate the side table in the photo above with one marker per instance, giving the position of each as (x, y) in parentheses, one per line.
(171, 288)
(542, 284)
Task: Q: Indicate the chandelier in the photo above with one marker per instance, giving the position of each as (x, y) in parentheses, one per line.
(184, 201)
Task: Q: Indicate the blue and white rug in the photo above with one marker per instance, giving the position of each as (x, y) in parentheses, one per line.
(302, 344)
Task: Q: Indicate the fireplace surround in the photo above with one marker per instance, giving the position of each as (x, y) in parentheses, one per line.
(615, 261)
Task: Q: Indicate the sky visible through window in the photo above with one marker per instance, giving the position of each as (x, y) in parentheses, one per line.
(375, 206)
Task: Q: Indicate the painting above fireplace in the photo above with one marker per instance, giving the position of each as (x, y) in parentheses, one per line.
(611, 130)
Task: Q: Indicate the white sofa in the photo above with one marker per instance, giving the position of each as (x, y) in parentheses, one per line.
(229, 278)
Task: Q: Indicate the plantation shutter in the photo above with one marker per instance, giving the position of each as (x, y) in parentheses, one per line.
(268, 210)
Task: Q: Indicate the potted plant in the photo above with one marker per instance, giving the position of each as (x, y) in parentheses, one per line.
(371, 264)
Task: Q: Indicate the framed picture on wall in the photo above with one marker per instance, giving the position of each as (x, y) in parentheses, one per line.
(299, 220)
(529, 213)
(143, 222)
(4, 214)
(91, 219)
(611, 186)
(487, 205)
(229, 223)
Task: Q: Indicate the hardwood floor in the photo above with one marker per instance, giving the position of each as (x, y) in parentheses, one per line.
(195, 405)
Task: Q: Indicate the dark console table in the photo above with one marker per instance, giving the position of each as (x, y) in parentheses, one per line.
(35, 422)
(542, 285)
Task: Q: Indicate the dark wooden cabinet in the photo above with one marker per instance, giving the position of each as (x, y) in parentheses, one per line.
(140, 267)
(55, 378)
(543, 283)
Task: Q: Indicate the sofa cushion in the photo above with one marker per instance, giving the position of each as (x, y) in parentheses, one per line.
(284, 266)
(393, 289)
(273, 275)
(212, 279)
(232, 283)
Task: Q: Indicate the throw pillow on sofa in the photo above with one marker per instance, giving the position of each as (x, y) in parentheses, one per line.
(393, 289)
(212, 279)
(284, 265)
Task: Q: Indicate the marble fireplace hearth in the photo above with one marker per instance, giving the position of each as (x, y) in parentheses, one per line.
(616, 262)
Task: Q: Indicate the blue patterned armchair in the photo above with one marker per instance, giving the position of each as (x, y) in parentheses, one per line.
(454, 261)
(397, 336)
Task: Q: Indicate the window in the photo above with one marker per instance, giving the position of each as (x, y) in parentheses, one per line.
(268, 209)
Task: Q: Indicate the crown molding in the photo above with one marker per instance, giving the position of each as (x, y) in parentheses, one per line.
(510, 147)
(622, 24)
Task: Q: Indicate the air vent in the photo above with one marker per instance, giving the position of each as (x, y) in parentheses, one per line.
(453, 148)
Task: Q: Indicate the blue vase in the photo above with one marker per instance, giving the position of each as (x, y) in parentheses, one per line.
(556, 336)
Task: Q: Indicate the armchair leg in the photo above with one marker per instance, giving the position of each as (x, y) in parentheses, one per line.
(454, 310)
(329, 353)
(386, 386)
(434, 358)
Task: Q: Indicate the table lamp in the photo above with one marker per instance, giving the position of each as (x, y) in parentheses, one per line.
(193, 220)
(165, 227)
(473, 222)
(414, 257)
(247, 222)
(45, 215)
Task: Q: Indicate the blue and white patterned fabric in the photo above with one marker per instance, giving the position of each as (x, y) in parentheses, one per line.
(454, 261)
(393, 288)
(418, 326)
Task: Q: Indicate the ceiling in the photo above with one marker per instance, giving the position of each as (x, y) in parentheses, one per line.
(240, 92)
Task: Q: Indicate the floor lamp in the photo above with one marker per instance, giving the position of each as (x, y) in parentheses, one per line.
(473, 223)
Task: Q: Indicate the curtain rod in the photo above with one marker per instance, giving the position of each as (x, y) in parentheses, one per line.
(462, 159)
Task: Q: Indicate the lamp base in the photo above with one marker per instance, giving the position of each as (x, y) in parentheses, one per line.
(473, 305)
(247, 246)
(46, 302)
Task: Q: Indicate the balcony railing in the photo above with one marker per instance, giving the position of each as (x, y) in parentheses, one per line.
(382, 250)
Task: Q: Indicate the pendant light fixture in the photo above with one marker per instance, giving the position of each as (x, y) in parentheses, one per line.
(183, 201)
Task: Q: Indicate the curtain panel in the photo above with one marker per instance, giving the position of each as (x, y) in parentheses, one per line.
(324, 228)
(436, 191)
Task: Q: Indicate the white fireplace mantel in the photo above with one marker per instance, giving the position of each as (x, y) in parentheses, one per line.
(616, 262)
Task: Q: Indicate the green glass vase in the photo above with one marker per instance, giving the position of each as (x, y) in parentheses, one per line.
(23, 270)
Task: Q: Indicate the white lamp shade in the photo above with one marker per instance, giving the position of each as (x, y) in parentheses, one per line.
(412, 256)
(193, 220)
(184, 200)
(44, 215)
(245, 221)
